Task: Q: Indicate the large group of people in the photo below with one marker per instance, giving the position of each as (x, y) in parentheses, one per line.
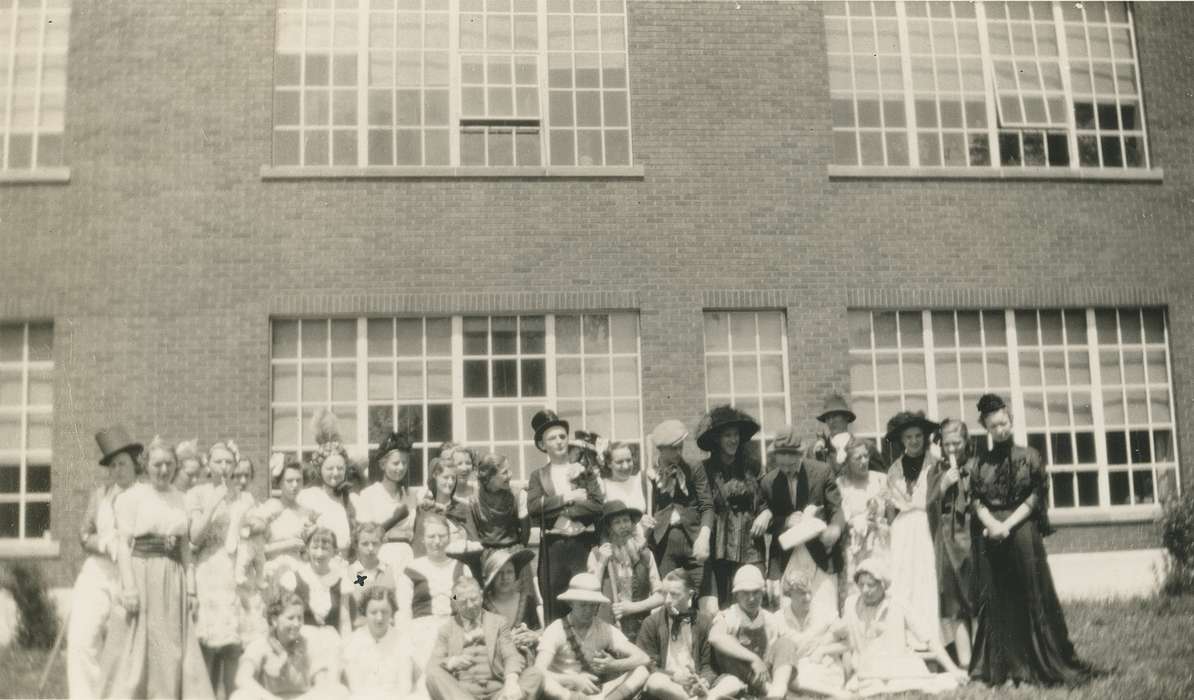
(827, 573)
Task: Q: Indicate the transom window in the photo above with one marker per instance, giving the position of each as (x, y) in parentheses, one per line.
(1090, 388)
(471, 379)
(985, 84)
(26, 428)
(451, 82)
(33, 36)
(746, 366)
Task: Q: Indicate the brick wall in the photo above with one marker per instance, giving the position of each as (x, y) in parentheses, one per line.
(163, 259)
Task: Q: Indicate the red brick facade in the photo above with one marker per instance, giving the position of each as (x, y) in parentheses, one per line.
(163, 259)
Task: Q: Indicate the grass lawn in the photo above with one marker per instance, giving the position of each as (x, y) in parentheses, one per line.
(1146, 645)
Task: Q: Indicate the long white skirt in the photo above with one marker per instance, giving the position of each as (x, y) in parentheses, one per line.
(91, 602)
(914, 575)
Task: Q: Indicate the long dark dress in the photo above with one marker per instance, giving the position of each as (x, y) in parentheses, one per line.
(737, 500)
(1020, 630)
(949, 522)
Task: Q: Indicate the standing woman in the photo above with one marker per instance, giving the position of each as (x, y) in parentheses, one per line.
(331, 482)
(864, 505)
(493, 519)
(192, 471)
(949, 521)
(391, 503)
(465, 460)
(725, 433)
(97, 588)
(1020, 631)
(914, 567)
(285, 521)
(564, 510)
(215, 511)
(151, 650)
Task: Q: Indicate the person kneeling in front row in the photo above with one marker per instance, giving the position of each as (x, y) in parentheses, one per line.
(581, 655)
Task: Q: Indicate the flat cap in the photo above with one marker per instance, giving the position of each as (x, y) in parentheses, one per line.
(787, 439)
(670, 433)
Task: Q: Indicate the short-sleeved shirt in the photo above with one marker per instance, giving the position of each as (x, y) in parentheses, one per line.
(378, 667)
(284, 674)
(601, 636)
(758, 635)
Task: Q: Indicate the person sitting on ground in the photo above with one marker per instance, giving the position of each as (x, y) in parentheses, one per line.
(376, 657)
(743, 638)
(808, 658)
(877, 627)
(475, 656)
(580, 655)
(626, 569)
(505, 571)
(285, 663)
(676, 638)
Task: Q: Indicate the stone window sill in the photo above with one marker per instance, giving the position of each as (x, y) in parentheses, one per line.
(35, 176)
(876, 172)
(36, 548)
(1104, 516)
(296, 172)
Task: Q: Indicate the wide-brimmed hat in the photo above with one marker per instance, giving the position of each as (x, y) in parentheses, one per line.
(748, 578)
(609, 509)
(836, 404)
(670, 433)
(720, 417)
(112, 441)
(543, 420)
(495, 559)
(583, 588)
(908, 419)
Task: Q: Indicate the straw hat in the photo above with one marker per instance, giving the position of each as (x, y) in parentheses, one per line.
(583, 588)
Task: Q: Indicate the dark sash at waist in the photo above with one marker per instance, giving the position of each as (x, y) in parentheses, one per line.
(147, 546)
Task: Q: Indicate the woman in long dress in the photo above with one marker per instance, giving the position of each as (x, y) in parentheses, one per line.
(216, 510)
(1020, 631)
(151, 650)
(949, 521)
(914, 566)
(864, 504)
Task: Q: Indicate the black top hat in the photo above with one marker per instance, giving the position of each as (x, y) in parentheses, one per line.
(611, 508)
(836, 404)
(543, 420)
(720, 417)
(112, 441)
(908, 419)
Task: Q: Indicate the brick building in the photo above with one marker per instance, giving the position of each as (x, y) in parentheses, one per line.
(218, 217)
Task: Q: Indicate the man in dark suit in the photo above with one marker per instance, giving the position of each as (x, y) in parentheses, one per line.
(683, 512)
(686, 670)
(474, 655)
(794, 483)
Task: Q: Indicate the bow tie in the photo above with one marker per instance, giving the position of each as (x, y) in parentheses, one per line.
(680, 618)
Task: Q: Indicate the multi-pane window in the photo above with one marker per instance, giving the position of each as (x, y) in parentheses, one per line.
(985, 84)
(471, 379)
(33, 38)
(26, 428)
(451, 82)
(1090, 388)
(746, 366)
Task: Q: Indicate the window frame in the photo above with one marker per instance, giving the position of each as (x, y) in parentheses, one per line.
(1104, 511)
(36, 171)
(24, 455)
(913, 131)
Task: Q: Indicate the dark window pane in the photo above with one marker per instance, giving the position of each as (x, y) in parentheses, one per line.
(9, 512)
(1117, 448)
(505, 378)
(1128, 114)
(1059, 149)
(476, 378)
(415, 475)
(439, 422)
(476, 335)
(885, 329)
(1009, 149)
(1108, 120)
(1134, 151)
(980, 150)
(37, 519)
(1034, 149)
(1120, 493)
(1162, 441)
(1063, 450)
(860, 329)
(1141, 447)
(1088, 489)
(1063, 490)
(10, 478)
(1111, 153)
(381, 422)
(1142, 482)
(534, 378)
(37, 477)
(1086, 448)
(504, 340)
(533, 334)
(1084, 115)
(1088, 151)
(1037, 441)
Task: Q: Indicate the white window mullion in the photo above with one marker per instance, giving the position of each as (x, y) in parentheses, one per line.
(23, 488)
(549, 364)
(1172, 427)
(909, 92)
(454, 85)
(362, 379)
(544, 91)
(1067, 86)
(1019, 431)
(458, 409)
(1096, 407)
(930, 363)
(363, 83)
(787, 381)
(989, 87)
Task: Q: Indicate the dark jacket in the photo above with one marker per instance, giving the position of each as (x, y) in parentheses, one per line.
(545, 505)
(820, 489)
(504, 659)
(654, 636)
(695, 507)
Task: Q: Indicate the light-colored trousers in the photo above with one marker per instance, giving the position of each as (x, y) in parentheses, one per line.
(92, 599)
